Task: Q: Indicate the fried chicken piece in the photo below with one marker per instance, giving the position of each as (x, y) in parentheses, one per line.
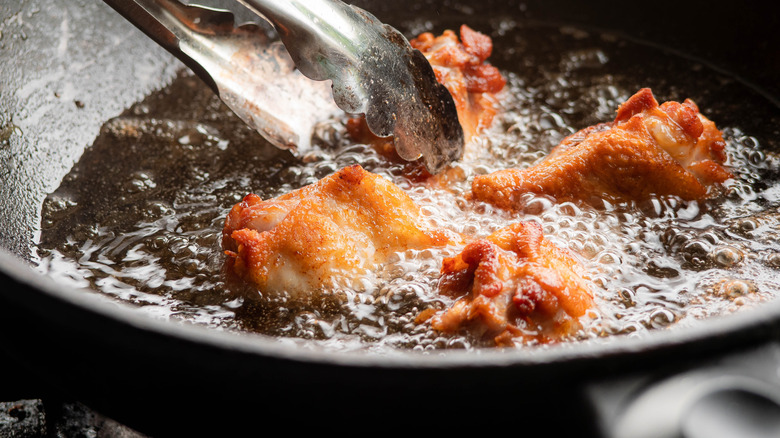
(329, 234)
(650, 149)
(324, 235)
(460, 65)
(514, 284)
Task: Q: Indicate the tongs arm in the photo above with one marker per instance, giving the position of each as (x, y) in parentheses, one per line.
(255, 77)
(168, 23)
(373, 69)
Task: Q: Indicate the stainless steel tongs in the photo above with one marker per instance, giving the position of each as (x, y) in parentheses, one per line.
(373, 69)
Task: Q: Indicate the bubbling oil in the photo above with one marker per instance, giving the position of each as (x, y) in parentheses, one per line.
(139, 217)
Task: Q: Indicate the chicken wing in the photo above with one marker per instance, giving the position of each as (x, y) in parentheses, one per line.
(461, 66)
(650, 149)
(514, 284)
(324, 235)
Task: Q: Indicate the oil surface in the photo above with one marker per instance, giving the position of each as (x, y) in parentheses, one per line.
(140, 216)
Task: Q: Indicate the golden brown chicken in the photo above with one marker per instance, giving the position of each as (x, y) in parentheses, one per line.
(324, 235)
(461, 66)
(514, 284)
(649, 149)
(328, 235)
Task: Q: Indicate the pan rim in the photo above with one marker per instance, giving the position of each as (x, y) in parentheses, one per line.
(757, 324)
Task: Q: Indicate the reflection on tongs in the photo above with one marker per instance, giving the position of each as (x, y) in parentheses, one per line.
(373, 70)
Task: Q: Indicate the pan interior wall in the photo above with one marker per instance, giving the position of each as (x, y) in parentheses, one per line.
(61, 77)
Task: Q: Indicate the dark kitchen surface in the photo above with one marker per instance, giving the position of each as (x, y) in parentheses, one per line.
(50, 418)
(34, 406)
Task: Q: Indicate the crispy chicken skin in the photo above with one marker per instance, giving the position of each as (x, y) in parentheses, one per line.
(460, 65)
(515, 284)
(323, 234)
(326, 235)
(650, 149)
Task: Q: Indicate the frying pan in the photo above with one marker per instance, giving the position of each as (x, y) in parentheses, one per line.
(66, 68)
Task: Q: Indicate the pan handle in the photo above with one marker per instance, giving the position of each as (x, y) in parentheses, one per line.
(737, 396)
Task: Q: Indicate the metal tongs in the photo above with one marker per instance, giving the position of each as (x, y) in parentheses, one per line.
(373, 69)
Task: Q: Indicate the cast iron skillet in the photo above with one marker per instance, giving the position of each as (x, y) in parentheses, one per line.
(68, 67)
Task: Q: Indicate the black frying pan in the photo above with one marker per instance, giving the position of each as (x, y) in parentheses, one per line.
(67, 68)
